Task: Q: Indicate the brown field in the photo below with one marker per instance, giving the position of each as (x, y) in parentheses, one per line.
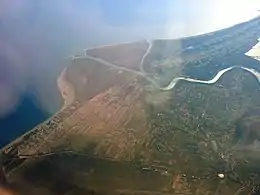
(112, 129)
(90, 78)
(113, 121)
(128, 55)
(103, 100)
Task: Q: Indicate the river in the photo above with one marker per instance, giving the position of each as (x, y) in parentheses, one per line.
(211, 81)
(174, 81)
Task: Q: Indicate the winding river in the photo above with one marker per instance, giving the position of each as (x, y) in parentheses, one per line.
(211, 81)
(174, 81)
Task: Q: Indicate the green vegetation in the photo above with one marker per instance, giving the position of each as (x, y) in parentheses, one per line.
(203, 56)
(196, 132)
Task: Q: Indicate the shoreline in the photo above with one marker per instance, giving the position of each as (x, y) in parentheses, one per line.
(68, 95)
(66, 89)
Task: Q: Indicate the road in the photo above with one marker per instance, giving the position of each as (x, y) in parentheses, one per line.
(150, 45)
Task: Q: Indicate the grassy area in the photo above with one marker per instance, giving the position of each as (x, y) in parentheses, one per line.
(195, 133)
(203, 56)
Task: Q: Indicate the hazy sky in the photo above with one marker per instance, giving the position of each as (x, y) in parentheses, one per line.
(100, 21)
(42, 32)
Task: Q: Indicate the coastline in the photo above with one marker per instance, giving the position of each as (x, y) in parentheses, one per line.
(66, 89)
(67, 93)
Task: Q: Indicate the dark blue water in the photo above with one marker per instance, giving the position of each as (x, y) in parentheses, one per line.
(28, 114)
